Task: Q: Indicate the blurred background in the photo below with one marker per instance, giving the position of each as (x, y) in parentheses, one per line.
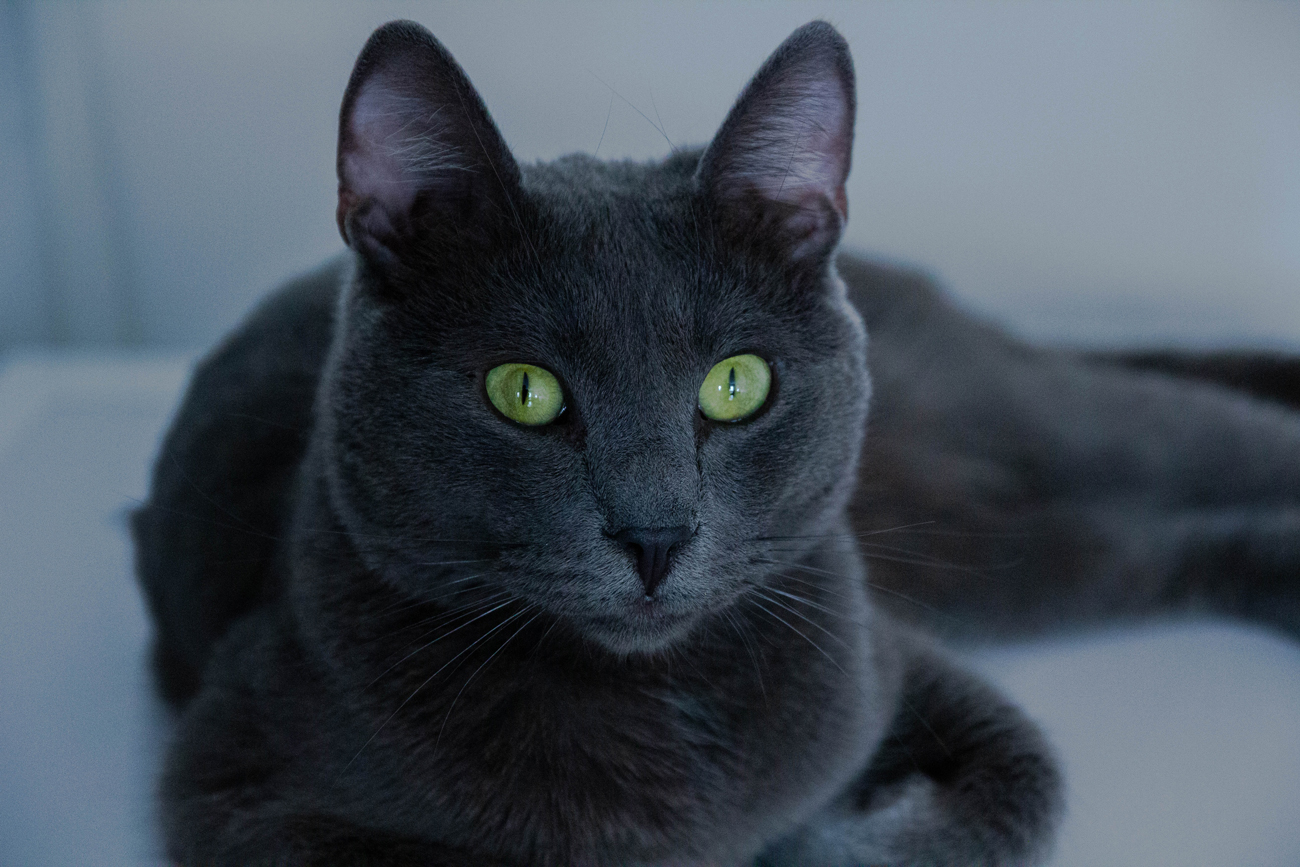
(1090, 174)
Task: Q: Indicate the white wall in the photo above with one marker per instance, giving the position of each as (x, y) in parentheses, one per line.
(1090, 172)
(21, 308)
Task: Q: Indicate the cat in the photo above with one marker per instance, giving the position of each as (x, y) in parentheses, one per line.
(532, 530)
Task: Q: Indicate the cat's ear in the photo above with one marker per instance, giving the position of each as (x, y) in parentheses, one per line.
(419, 158)
(775, 171)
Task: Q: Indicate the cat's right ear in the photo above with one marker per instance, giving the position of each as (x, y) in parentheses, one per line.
(776, 170)
(420, 162)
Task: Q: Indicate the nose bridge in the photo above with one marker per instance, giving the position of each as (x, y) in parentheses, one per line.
(644, 471)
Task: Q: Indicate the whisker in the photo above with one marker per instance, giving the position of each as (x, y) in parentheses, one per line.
(820, 586)
(463, 580)
(762, 592)
(658, 129)
(242, 526)
(859, 546)
(870, 555)
(889, 591)
(425, 683)
(407, 603)
(245, 525)
(554, 622)
(784, 622)
(919, 560)
(874, 586)
(947, 564)
(448, 616)
(608, 112)
(914, 561)
(897, 529)
(814, 569)
(797, 598)
(484, 665)
(478, 617)
(736, 625)
(661, 123)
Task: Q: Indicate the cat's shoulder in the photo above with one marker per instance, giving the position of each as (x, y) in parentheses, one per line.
(224, 474)
(291, 327)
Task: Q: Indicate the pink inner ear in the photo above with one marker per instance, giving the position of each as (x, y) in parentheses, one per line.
(792, 145)
(799, 150)
(373, 166)
(398, 146)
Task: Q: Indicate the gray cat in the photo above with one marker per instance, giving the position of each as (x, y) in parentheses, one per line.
(532, 530)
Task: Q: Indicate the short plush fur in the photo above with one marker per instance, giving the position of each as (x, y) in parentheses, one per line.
(402, 629)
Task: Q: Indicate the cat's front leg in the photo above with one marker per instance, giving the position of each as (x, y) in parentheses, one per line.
(961, 779)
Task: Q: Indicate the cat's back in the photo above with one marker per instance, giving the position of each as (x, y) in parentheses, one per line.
(208, 535)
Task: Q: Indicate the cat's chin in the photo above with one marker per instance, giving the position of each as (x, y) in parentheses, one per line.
(644, 629)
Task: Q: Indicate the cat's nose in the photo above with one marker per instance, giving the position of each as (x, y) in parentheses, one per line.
(651, 546)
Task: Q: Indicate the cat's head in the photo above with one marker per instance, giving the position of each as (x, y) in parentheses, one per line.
(605, 389)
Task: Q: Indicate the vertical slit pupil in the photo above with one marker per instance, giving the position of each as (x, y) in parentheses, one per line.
(523, 391)
(731, 384)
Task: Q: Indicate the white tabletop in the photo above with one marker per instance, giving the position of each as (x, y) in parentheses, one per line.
(1181, 742)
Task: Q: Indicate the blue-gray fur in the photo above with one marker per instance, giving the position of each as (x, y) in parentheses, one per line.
(1059, 490)
(399, 628)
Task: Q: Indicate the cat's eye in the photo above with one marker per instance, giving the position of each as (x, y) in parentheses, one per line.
(525, 393)
(735, 388)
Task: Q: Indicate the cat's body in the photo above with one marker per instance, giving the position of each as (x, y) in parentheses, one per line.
(1052, 489)
(304, 735)
(404, 629)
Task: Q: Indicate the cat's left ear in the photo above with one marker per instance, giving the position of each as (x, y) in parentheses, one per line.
(776, 170)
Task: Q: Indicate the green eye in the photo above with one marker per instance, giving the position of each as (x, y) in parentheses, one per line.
(735, 388)
(524, 393)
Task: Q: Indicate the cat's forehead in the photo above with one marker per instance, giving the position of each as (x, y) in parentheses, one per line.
(577, 182)
(617, 244)
(622, 266)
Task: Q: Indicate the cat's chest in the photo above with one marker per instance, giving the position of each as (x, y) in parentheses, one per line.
(688, 767)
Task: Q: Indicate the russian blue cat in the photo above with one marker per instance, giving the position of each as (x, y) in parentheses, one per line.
(533, 529)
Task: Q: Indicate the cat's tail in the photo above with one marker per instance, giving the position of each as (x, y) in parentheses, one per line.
(1265, 375)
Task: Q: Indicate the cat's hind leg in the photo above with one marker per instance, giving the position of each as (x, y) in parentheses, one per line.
(1239, 562)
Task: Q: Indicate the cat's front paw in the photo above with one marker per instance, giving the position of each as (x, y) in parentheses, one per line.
(904, 828)
(962, 779)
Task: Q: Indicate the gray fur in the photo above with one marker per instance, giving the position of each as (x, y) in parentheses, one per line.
(399, 628)
(1059, 490)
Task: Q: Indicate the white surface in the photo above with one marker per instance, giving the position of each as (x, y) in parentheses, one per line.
(1181, 744)
(78, 727)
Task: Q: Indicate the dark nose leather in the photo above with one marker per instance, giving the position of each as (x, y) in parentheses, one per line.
(651, 547)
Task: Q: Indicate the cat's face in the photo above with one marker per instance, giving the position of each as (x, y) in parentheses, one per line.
(627, 284)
